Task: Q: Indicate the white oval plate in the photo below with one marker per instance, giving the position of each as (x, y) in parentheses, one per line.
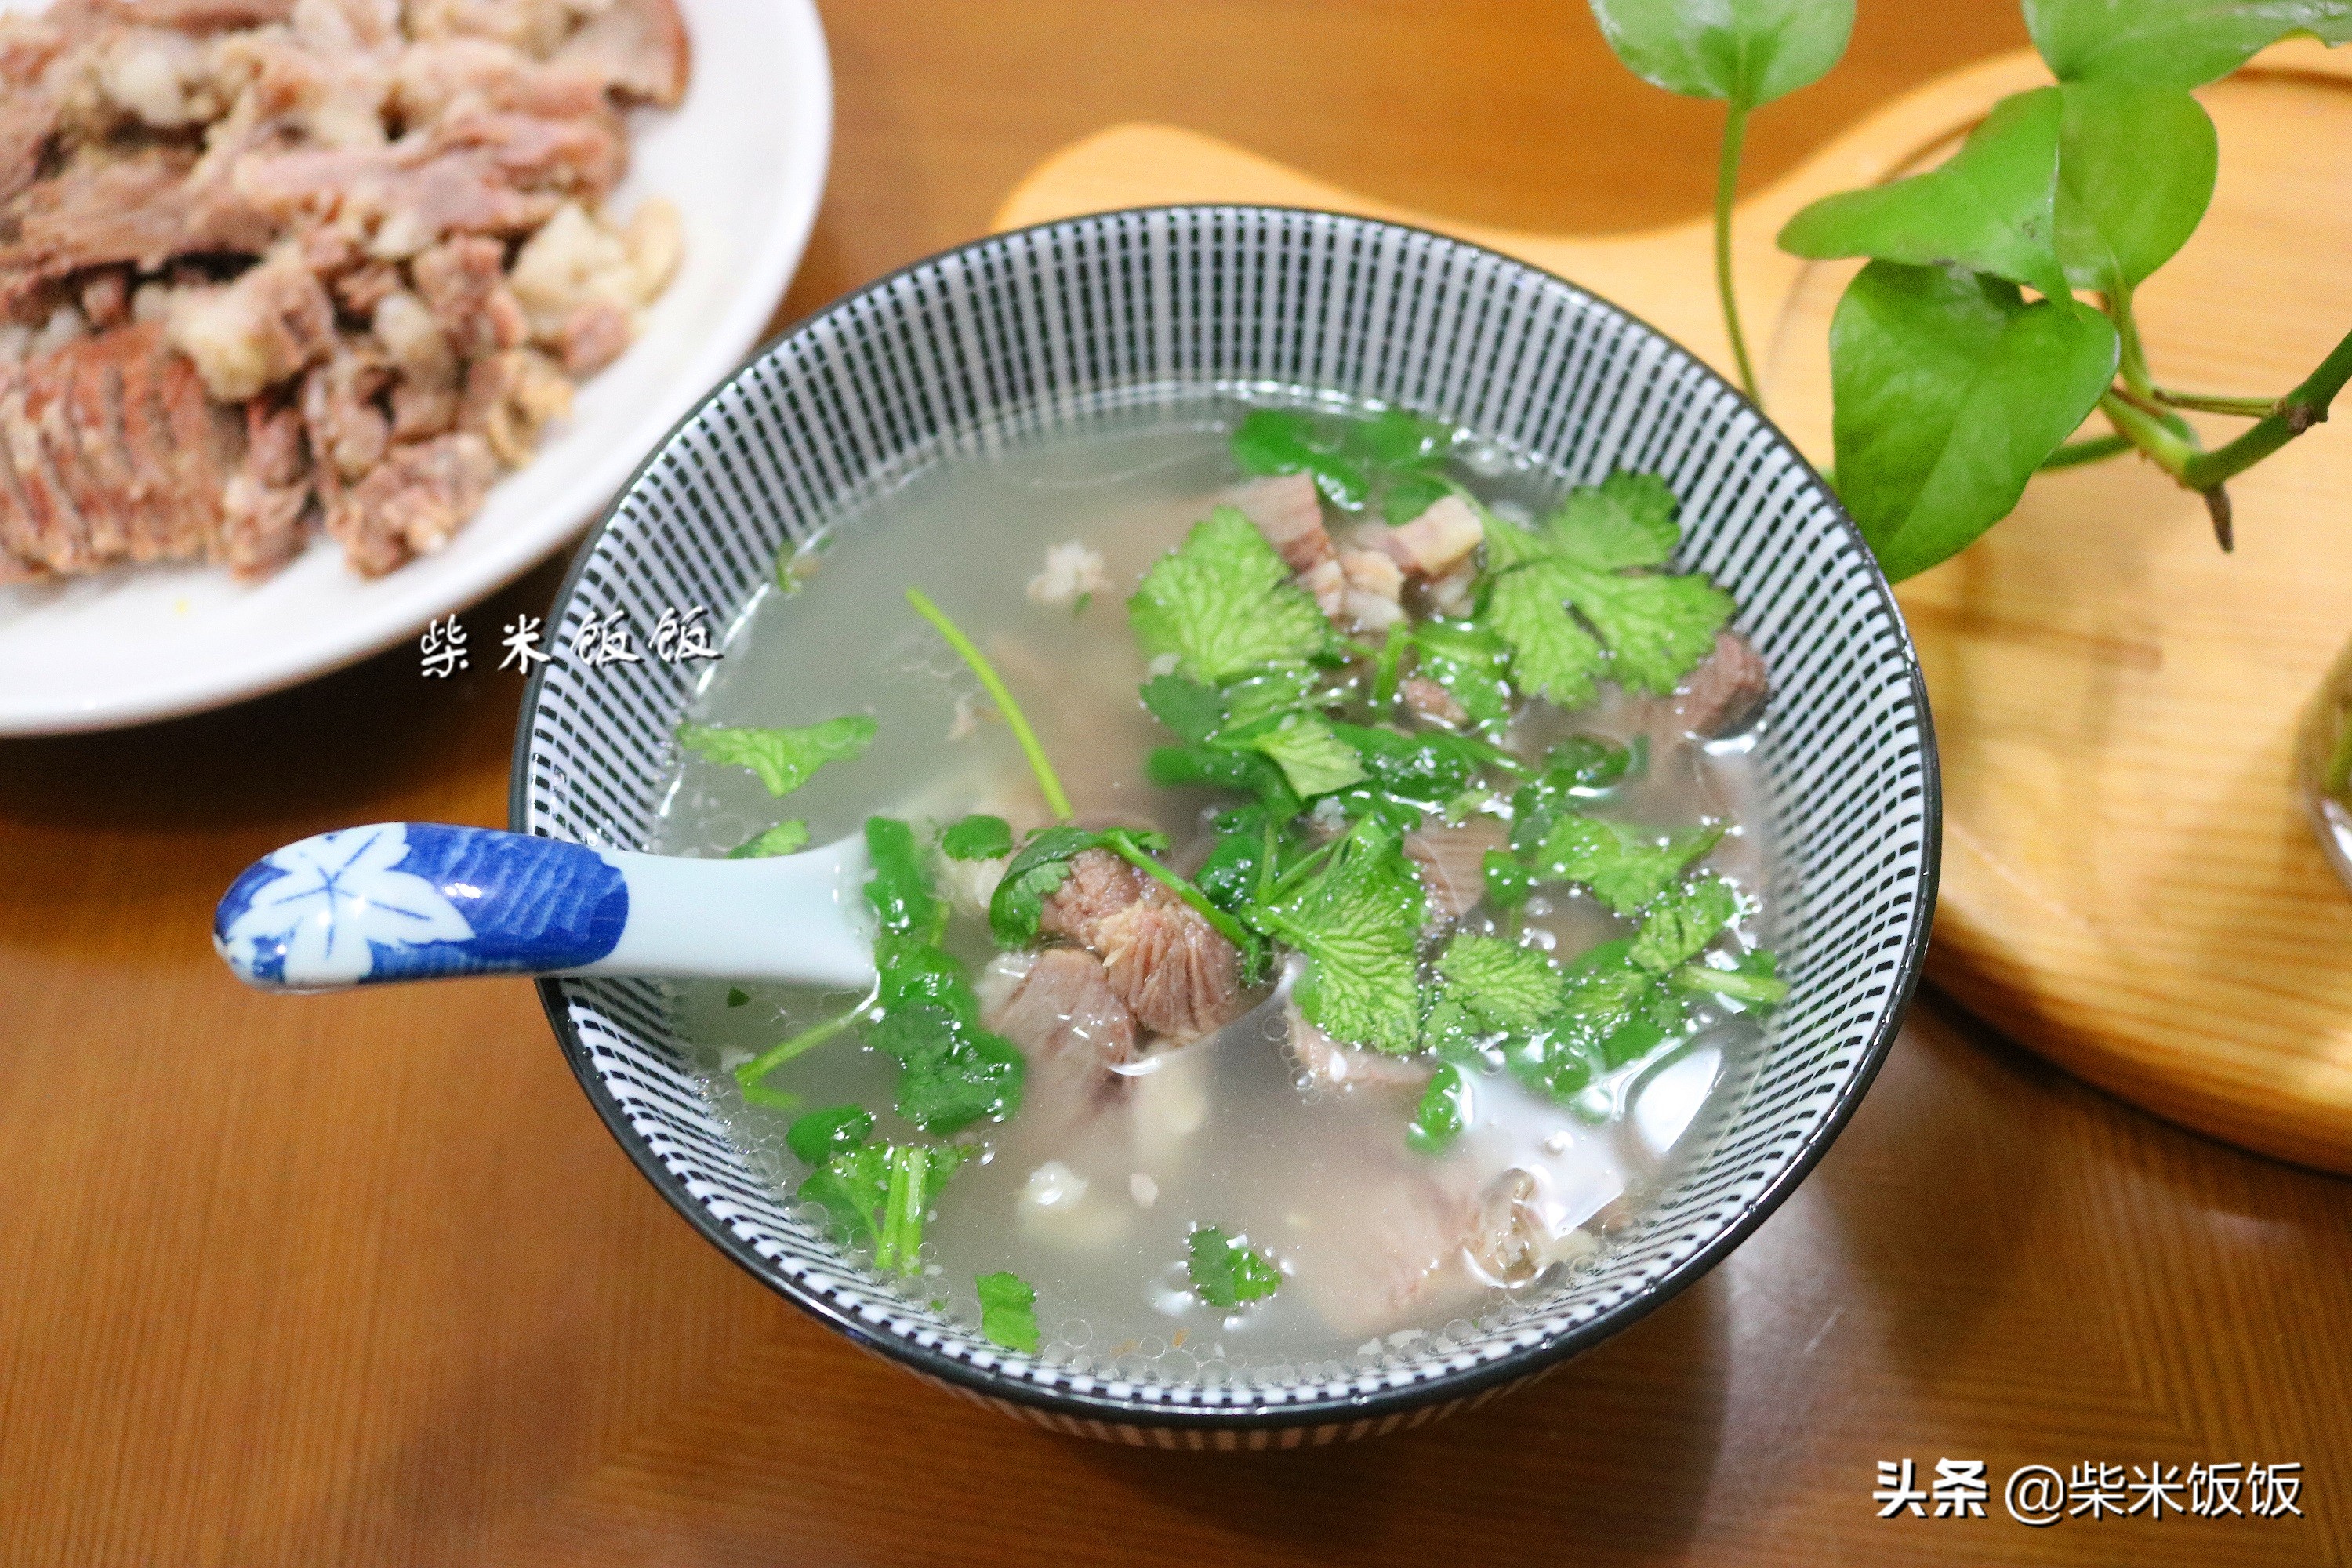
(744, 160)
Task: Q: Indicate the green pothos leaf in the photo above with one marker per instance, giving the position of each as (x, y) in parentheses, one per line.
(1949, 390)
(1748, 51)
(2172, 43)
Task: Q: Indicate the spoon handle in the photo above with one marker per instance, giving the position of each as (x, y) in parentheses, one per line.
(426, 900)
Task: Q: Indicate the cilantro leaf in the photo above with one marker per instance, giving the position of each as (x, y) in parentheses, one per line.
(1187, 707)
(782, 758)
(1509, 883)
(1604, 990)
(1452, 1033)
(1443, 1112)
(1683, 922)
(821, 1135)
(1237, 859)
(784, 838)
(1551, 1065)
(737, 996)
(1008, 1312)
(1657, 627)
(897, 886)
(1356, 922)
(1223, 604)
(1227, 1271)
(1627, 520)
(1472, 663)
(851, 1186)
(1428, 768)
(1314, 761)
(1277, 688)
(952, 1071)
(1174, 767)
(1577, 769)
(978, 838)
(1284, 441)
(1626, 868)
(1551, 656)
(1500, 984)
(1037, 872)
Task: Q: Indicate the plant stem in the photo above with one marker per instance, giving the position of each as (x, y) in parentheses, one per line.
(2297, 412)
(1135, 854)
(759, 1066)
(2132, 363)
(2075, 454)
(2170, 450)
(1055, 801)
(2206, 402)
(1727, 186)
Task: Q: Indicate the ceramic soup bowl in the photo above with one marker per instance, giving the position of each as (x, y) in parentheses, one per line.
(1022, 333)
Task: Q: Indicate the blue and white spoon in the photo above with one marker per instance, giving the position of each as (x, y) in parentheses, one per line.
(423, 900)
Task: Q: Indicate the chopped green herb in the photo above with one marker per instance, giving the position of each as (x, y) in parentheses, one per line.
(1509, 883)
(1683, 922)
(817, 1137)
(1227, 1271)
(737, 996)
(1626, 520)
(1281, 441)
(1444, 1111)
(916, 1176)
(1238, 860)
(1222, 603)
(1357, 922)
(1449, 1031)
(1187, 707)
(1604, 991)
(1752, 980)
(1008, 1312)
(1500, 984)
(1277, 688)
(1172, 767)
(1471, 663)
(783, 758)
(899, 888)
(1626, 868)
(978, 838)
(1314, 760)
(1656, 626)
(1551, 656)
(784, 838)
(1036, 873)
(851, 1186)
(1429, 768)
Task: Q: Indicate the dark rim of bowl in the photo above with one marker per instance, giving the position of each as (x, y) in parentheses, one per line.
(1511, 1367)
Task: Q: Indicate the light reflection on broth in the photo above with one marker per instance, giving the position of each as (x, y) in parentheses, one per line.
(1095, 1211)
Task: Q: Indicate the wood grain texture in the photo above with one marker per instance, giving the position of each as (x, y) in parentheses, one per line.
(2129, 882)
(362, 1281)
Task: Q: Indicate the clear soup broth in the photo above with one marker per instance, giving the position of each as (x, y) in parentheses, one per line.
(1303, 1157)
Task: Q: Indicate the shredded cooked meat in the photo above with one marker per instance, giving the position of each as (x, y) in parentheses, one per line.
(274, 267)
(1174, 973)
(1074, 1031)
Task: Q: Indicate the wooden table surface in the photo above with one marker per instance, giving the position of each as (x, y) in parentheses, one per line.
(361, 1279)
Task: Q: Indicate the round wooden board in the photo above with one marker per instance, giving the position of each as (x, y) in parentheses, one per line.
(2129, 885)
